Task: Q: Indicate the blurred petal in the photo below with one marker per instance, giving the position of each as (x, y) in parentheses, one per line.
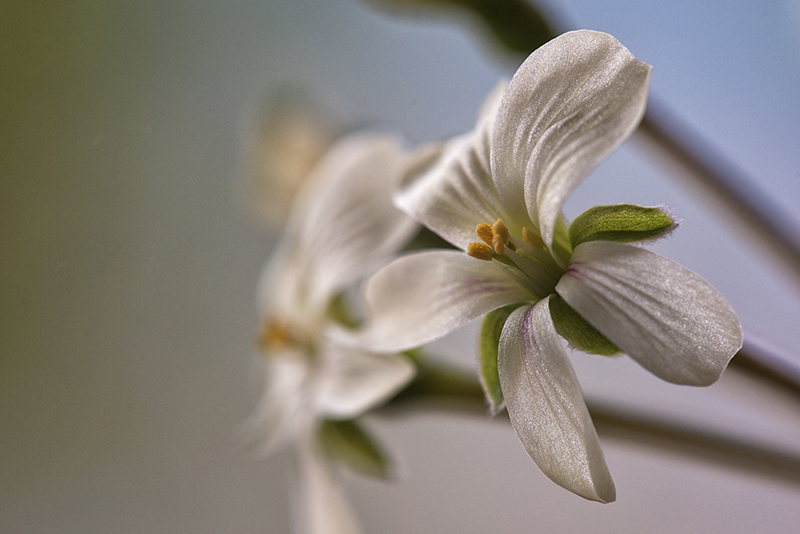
(452, 193)
(570, 104)
(324, 508)
(354, 381)
(421, 297)
(293, 133)
(282, 411)
(344, 223)
(666, 317)
(546, 407)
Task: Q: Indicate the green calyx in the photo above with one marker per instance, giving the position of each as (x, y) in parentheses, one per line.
(623, 223)
(580, 334)
(347, 441)
(491, 328)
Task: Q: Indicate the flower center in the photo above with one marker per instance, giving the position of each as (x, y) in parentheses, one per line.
(275, 335)
(528, 260)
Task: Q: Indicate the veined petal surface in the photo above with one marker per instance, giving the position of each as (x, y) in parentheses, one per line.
(421, 297)
(664, 316)
(452, 192)
(545, 403)
(353, 381)
(570, 104)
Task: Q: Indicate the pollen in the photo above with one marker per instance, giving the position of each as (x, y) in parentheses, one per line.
(481, 251)
(274, 335)
(485, 232)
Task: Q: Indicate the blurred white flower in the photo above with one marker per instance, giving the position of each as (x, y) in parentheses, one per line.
(342, 226)
(570, 104)
(293, 132)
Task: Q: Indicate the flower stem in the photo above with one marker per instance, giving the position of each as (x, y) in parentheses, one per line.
(761, 363)
(444, 388)
(735, 195)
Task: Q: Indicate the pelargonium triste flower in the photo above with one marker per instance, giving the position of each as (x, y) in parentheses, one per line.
(497, 193)
(342, 226)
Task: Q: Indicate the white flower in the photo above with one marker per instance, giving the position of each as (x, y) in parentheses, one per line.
(568, 106)
(342, 226)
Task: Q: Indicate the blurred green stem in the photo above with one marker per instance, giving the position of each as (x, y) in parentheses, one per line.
(444, 388)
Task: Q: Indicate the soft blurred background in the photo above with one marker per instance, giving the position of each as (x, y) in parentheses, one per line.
(130, 254)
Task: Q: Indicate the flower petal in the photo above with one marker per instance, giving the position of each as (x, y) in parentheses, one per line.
(282, 412)
(421, 297)
(546, 406)
(323, 507)
(451, 191)
(571, 103)
(343, 224)
(352, 381)
(666, 317)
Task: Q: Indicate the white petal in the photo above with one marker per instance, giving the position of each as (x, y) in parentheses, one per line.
(666, 317)
(344, 223)
(451, 191)
(570, 104)
(284, 409)
(421, 297)
(546, 406)
(323, 507)
(354, 381)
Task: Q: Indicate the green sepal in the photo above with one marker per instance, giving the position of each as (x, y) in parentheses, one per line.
(623, 223)
(491, 328)
(580, 334)
(348, 442)
(339, 311)
(562, 245)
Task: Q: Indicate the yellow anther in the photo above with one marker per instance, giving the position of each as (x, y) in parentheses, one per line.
(274, 335)
(499, 229)
(481, 251)
(498, 245)
(500, 236)
(532, 238)
(485, 232)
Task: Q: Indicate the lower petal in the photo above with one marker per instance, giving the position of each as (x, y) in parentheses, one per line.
(355, 381)
(545, 403)
(323, 507)
(666, 317)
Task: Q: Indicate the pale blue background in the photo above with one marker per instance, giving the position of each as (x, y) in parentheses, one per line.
(129, 262)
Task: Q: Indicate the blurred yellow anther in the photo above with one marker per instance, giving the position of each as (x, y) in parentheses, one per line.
(274, 335)
(500, 236)
(532, 238)
(499, 229)
(498, 245)
(485, 232)
(481, 251)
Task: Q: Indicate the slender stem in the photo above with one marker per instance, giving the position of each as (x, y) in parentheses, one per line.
(713, 447)
(735, 195)
(761, 363)
(444, 388)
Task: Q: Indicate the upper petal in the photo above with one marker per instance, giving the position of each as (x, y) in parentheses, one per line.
(545, 403)
(343, 224)
(354, 381)
(666, 317)
(450, 190)
(571, 103)
(421, 297)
